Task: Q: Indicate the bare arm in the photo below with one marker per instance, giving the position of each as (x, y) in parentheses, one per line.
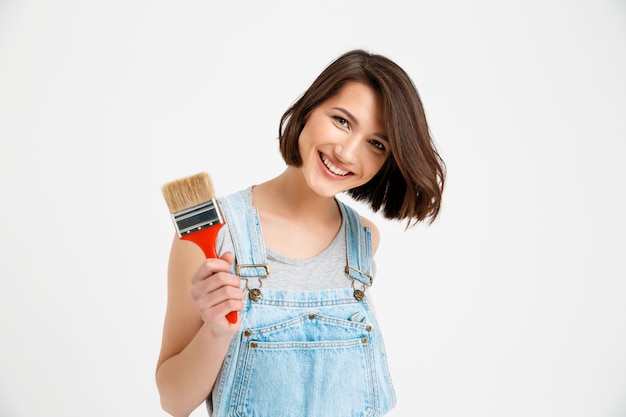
(196, 334)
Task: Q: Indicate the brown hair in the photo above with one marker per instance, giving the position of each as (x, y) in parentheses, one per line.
(410, 183)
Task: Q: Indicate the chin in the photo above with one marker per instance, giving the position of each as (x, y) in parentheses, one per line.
(330, 191)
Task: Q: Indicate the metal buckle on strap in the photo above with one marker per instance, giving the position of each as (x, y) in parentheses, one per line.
(365, 274)
(253, 293)
(359, 293)
(238, 268)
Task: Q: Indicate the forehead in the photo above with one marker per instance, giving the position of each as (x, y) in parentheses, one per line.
(357, 92)
(361, 102)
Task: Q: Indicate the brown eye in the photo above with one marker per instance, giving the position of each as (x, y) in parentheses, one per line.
(378, 145)
(343, 122)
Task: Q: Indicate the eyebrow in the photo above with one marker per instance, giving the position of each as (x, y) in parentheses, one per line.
(356, 122)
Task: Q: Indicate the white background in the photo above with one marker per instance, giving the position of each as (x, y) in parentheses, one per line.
(511, 304)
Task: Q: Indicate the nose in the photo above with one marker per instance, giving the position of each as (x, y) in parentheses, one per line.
(346, 151)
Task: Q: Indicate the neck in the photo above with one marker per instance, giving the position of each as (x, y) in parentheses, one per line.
(289, 196)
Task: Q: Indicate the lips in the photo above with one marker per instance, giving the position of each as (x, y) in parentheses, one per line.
(332, 167)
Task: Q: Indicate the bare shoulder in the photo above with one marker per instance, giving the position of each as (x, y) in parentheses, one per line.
(375, 233)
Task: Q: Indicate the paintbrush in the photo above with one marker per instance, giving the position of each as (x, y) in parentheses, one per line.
(196, 214)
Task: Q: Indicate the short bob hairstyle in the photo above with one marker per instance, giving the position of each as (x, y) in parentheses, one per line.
(410, 183)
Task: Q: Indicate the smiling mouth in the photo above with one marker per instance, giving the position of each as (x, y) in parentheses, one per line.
(332, 168)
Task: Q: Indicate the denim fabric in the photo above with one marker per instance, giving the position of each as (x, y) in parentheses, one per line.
(302, 353)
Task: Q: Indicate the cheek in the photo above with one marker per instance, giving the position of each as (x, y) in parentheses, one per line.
(374, 165)
(306, 136)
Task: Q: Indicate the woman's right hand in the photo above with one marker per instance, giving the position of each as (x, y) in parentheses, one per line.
(215, 292)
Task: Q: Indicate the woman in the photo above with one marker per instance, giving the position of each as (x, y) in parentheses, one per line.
(306, 342)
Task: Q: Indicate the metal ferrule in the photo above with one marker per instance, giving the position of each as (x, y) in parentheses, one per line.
(197, 218)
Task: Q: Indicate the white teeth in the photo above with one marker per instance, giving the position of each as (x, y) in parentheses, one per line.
(332, 168)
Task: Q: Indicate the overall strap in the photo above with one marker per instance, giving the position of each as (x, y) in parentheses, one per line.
(245, 230)
(359, 249)
(251, 259)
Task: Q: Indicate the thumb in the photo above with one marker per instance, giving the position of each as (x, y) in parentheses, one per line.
(228, 257)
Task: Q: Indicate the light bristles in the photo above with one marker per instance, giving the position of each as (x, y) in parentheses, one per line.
(188, 192)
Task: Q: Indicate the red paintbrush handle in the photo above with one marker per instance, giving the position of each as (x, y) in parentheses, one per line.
(205, 239)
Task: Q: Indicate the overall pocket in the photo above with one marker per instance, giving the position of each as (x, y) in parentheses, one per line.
(312, 365)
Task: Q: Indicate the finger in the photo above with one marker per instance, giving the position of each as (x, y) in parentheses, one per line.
(228, 257)
(213, 283)
(219, 303)
(208, 268)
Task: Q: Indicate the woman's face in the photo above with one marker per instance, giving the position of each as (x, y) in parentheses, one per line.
(343, 143)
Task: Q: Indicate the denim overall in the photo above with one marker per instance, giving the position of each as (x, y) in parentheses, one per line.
(301, 353)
